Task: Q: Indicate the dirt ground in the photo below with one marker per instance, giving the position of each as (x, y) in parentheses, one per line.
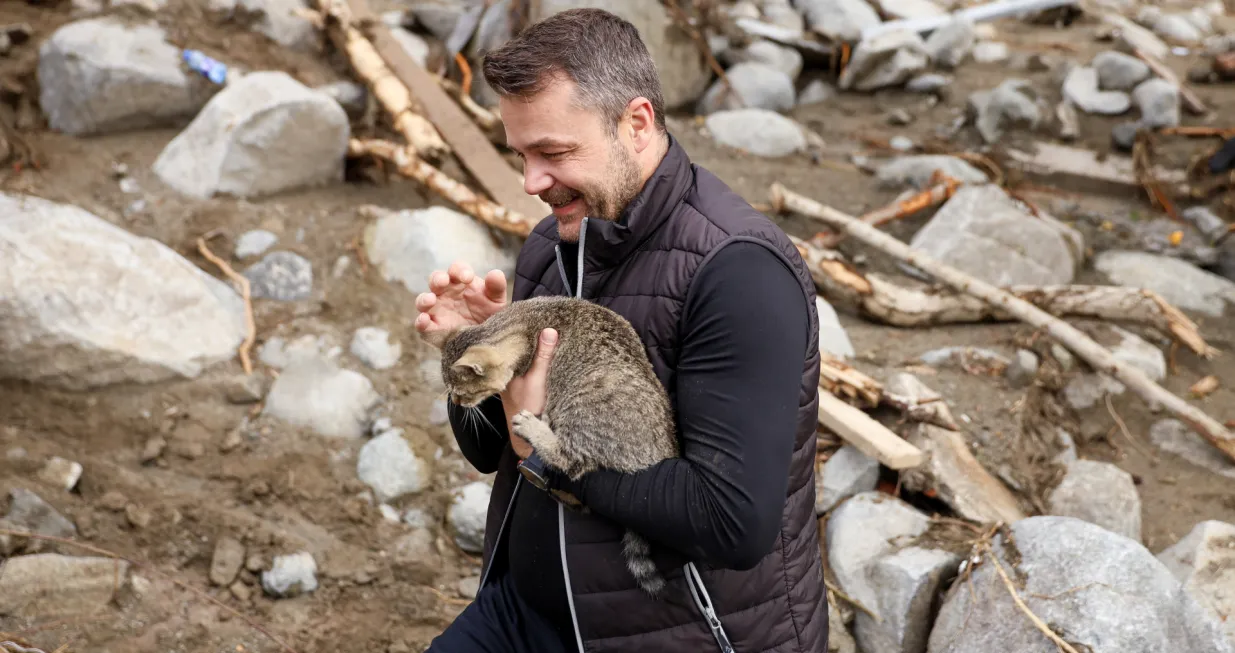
(282, 490)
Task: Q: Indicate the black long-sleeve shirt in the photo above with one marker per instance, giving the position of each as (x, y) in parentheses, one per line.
(744, 335)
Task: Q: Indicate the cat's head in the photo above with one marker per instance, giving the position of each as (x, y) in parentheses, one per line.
(475, 369)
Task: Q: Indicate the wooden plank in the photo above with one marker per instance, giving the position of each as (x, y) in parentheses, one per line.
(869, 436)
(502, 182)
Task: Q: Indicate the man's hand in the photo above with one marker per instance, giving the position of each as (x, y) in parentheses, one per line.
(458, 298)
(527, 392)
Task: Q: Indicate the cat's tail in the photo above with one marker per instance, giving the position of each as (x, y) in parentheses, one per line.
(639, 561)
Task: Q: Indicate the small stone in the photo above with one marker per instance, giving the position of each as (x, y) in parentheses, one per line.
(1099, 493)
(254, 243)
(1063, 356)
(227, 560)
(231, 441)
(1123, 135)
(757, 131)
(468, 587)
(1010, 104)
(1081, 88)
(254, 563)
(61, 473)
(1023, 369)
(389, 466)
(817, 91)
(315, 393)
(240, 591)
(291, 575)
(189, 450)
(374, 348)
(916, 171)
(1158, 101)
(928, 83)
(951, 43)
(990, 52)
(847, 473)
(137, 516)
(759, 86)
(1069, 121)
(901, 143)
(113, 501)
(467, 515)
(389, 513)
(1118, 71)
(30, 513)
(283, 276)
(153, 449)
(245, 388)
(888, 59)
(899, 117)
(1206, 221)
(1174, 436)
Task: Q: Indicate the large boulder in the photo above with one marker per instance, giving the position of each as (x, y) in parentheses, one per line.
(409, 245)
(84, 303)
(984, 232)
(265, 133)
(101, 75)
(1204, 561)
(683, 73)
(1099, 591)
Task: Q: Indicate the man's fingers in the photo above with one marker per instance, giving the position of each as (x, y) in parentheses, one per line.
(425, 301)
(495, 286)
(544, 349)
(438, 281)
(422, 322)
(461, 272)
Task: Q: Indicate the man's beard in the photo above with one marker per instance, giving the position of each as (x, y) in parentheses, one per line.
(608, 200)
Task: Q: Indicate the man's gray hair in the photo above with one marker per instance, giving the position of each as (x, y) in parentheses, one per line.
(600, 52)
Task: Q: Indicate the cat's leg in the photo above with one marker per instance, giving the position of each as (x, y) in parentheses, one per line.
(541, 437)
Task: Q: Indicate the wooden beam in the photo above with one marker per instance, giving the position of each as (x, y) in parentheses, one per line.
(869, 436)
(469, 143)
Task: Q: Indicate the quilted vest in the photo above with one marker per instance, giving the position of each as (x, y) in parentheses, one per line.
(642, 267)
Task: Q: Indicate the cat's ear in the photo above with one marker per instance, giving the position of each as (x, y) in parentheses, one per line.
(438, 337)
(476, 359)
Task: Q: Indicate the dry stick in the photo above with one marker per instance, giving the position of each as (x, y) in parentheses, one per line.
(386, 87)
(412, 166)
(115, 556)
(1077, 341)
(890, 303)
(937, 194)
(483, 117)
(240, 280)
(1123, 428)
(1037, 622)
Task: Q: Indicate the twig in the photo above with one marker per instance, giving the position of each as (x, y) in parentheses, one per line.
(465, 86)
(1037, 622)
(851, 601)
(410, 165)
(150, 568)
(483, 117)
(1123, 428)
(1085, 347)
(245, 292)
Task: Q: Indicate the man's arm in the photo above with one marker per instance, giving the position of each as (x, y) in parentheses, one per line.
(738, 383)
(481, 440)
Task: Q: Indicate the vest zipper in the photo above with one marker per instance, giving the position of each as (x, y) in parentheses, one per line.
(704, 602)
(501, 527)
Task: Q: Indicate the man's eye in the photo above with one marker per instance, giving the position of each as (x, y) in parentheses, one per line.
(552, 155)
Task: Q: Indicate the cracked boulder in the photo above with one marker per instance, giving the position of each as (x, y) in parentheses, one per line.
(1099, 591)
(1204, 561)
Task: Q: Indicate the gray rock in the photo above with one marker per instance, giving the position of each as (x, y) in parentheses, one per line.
(785, 59)
(263, 134)
(226, 562)
(375, 349)
(46, 585)
(1158, 101)
(1204, 561)
(1175, 28)
(901, 143)
(315, 393)
(1069, 121)
(1099, 493)
(866, 539)
(1081, 88)
(278, 20)
(1123, 135)
(254, 243)
(84, 303)
(1088, 389)
(279, 353)
(467, 515)
(683, 73)
(888, 59)
(1156, 238)
(847, 473)
(1174, 436)
(1023, 369)
(757, 86)
(815, 92)
(353, 97)
(282, 276)
(291, 575)
(438, 17)
(1118, 71)
(916, 171)
(760, 132)
(1010, 104)
(950, 44)
(987, 234)
(990, 52)
(782, 14)
(899, 117)
(390, 468)
(928, 83)
(838, 20)
(407, 246)
(968, 355)
(1102, 592)
(413, 44)
(1206, 221)
(1179, 282)
(832, 336)
(28, 512)
(101, 75)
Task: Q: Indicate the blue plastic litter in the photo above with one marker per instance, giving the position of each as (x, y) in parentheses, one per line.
(212, 69)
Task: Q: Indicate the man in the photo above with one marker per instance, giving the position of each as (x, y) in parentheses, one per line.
(725, 308)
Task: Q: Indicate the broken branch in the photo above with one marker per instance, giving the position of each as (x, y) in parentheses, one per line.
(389, 90)
(890, 303)
(1096, 355)
(243, 282)
(413, 167)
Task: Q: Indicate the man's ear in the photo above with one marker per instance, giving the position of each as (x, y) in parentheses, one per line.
(641, 122)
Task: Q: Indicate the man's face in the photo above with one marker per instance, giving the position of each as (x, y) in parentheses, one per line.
(570, 160)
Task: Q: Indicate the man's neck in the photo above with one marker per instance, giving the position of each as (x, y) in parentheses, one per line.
(661, 149)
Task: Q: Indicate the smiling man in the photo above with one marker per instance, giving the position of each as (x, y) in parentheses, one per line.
(725, 308)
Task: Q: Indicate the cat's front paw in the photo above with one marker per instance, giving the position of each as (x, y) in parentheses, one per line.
(521, 422)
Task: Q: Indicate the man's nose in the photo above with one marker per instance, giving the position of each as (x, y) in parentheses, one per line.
(536, 178)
